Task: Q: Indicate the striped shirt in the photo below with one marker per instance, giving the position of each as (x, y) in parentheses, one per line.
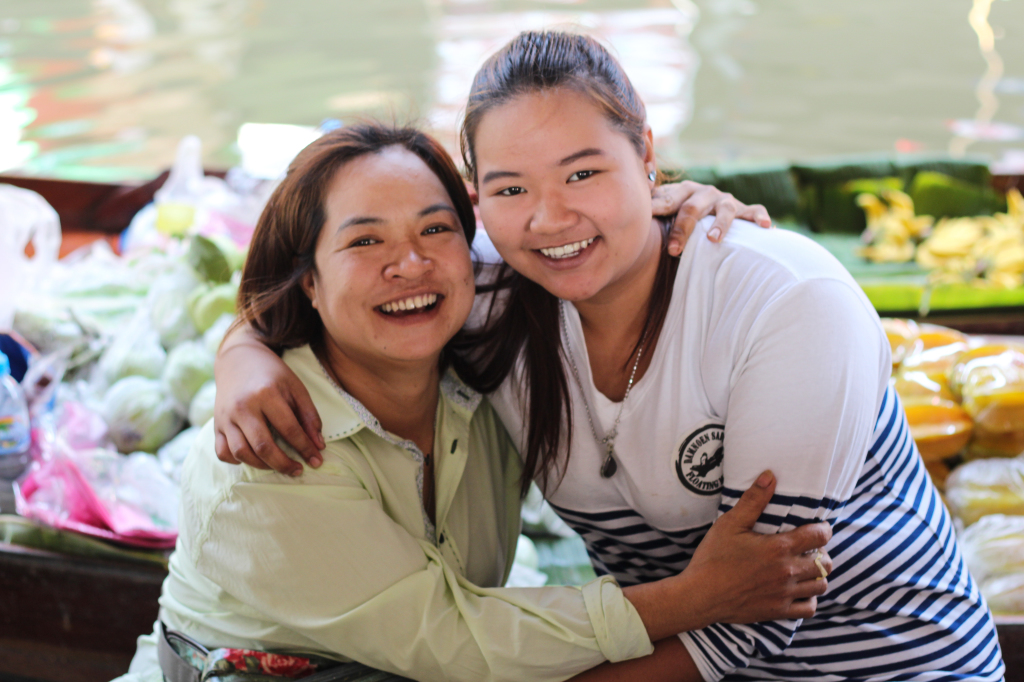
(779, 363)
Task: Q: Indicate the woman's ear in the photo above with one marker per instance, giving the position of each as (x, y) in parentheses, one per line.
(309, 286)
(650, 164)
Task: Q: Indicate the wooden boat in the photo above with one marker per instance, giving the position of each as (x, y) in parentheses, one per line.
(75, 619)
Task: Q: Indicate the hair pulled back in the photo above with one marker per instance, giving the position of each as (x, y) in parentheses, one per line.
(523, 320)
(283, 247)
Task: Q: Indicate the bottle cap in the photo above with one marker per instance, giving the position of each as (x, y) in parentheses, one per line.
(5, 364)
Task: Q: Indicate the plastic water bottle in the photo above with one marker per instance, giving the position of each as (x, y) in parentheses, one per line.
(15, 433)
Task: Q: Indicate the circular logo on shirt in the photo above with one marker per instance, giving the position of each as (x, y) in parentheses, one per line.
(699, 460)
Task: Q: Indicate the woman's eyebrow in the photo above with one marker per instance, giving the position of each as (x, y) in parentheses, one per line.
(497, 175)
(373, 220)
(438, 207)
(581, 154)
(359, 220)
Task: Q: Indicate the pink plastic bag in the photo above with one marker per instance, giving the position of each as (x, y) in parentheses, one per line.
(95, 490)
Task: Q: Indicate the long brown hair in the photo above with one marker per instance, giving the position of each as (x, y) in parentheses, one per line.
(523, 320)
(283, 248)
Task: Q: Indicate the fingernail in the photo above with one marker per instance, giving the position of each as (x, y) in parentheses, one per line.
(674, 247)
(320, 441)
(295, 473)
(714, 234)
(315, 461)
(764, 480)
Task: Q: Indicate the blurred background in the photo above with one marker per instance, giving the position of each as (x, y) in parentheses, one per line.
(103, 90)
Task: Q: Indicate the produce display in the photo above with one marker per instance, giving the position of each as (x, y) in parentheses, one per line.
(964, 399)
(983, 251)
(124, 364)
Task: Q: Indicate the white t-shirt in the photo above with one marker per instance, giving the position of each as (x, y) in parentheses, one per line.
(770, 353)
(771, 357)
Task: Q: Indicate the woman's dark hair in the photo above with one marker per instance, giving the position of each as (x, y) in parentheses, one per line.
(524, 318)
(270, 296)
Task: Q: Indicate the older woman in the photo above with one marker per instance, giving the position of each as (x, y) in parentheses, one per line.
(392, 553)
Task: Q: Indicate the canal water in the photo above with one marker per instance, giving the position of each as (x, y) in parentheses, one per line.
(105, 89)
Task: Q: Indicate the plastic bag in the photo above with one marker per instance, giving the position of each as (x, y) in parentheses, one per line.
(24, 217)
(141, 414)
(990, 380)
(994, 546)
(166, 302)
(95, 490)
(986, 486)
(134, 351)
(172, 455)
(1005, 594)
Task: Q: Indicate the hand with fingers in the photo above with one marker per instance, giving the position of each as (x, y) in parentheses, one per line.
(689, 202)
(258, 396)
(751, 577)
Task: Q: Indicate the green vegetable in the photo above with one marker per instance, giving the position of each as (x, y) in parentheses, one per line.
(188, 367)
(207, 303)
(140, 414)
(208, 260)
(135, 352)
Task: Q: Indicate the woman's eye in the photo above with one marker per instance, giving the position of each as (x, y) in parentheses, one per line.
(581, 175)
(365, 241)
(437, 229)
(511, 191)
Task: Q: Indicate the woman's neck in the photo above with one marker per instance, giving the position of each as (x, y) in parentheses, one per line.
(613, 320)
(402, 396)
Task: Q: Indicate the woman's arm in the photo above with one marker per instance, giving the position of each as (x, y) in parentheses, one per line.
(258, 392)
(358, 584)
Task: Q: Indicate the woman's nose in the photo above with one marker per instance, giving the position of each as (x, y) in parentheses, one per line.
(552, 215)
(409, 262)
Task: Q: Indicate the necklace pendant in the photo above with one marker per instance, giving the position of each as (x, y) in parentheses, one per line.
(609, 466)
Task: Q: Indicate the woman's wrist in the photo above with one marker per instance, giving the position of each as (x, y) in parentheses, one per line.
(672, 605)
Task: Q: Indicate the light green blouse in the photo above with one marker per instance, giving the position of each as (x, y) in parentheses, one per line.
(343, 561)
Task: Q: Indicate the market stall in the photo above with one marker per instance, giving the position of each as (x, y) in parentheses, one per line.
(128, 323)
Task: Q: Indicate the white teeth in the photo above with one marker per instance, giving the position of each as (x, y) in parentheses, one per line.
(410, 303)
(567, 250)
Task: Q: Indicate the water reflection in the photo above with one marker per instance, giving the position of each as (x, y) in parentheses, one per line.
(982, 125)
(104, 89)
(650, 42)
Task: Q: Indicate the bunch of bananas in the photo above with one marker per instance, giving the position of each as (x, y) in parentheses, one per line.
(986, 251)
(893, 229)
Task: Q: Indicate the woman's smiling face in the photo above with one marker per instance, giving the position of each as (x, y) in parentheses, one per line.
(564, 195)
(394, 280)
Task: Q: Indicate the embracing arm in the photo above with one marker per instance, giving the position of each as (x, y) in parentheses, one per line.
(256, 392)
(363, 587)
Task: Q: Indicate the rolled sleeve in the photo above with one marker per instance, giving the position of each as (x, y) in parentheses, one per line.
(617, 626)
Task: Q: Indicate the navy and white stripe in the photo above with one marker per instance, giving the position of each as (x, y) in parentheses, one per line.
(900, 604)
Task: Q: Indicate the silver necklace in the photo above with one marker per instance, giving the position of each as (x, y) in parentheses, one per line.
(609, 466)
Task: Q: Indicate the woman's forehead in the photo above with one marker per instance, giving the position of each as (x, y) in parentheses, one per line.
(385, 181)
(544, 127)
